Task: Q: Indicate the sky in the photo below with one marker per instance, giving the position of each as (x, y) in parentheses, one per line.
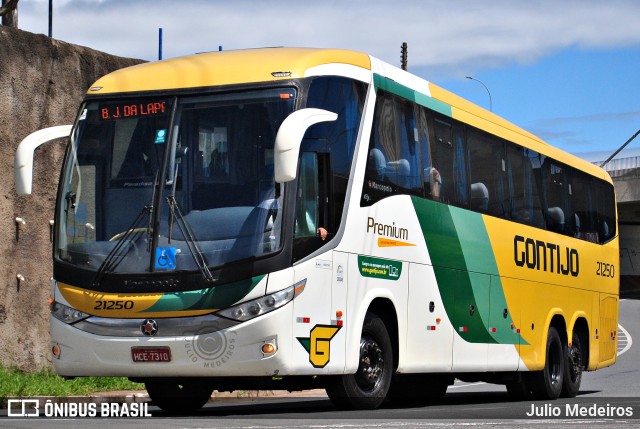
(565, 70)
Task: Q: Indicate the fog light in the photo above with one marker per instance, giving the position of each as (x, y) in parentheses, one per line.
(56, 351)
(268, 348)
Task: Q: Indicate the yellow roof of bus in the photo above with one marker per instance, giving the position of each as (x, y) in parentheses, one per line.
(223, 68)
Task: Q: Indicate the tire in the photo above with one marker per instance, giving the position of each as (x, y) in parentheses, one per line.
(178, 396)
(368, 387)
(573, 367)
(547, 384)
(417, 389)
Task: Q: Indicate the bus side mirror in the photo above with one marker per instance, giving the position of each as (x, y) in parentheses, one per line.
(23, 163)
(289, 138)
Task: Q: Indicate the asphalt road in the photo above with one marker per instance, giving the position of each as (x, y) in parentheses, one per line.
(610, 391)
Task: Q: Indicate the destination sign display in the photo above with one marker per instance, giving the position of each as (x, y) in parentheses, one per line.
(132, 109)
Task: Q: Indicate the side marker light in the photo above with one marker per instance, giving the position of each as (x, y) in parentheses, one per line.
(55, 350)
(268, 348)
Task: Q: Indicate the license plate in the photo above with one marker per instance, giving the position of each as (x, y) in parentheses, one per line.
(151, 354)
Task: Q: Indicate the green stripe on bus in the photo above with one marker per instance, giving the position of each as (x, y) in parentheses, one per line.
(462, 268)
(479, 258)
(409, 94)
(213, 298)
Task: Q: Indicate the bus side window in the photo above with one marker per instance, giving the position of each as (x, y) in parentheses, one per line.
(376, 164)
(533, 192)
(336, 138)
(307, 213)
(422, 131)
(606, 211)
(313, 204)
(557, 191)
(479, 197)
(442, 162)
(394, 163)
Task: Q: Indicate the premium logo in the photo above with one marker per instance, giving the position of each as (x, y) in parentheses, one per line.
(389, 235)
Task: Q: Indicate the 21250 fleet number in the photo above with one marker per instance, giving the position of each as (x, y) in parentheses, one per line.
(606, 270)
(113, 305)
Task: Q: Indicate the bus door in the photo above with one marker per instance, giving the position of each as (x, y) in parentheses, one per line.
(315, 324)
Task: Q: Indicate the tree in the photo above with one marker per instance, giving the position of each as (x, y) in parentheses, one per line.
(9, 13)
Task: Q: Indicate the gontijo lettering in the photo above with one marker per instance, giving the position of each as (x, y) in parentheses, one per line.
(540, 255)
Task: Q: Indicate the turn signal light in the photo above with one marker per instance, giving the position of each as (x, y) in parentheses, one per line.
(268, 348)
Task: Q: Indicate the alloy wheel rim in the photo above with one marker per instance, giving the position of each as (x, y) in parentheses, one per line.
(371, 364)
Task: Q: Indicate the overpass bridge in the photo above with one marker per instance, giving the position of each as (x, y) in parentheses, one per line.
(625, 173)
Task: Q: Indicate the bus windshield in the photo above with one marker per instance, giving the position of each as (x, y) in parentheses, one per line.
(219, 202)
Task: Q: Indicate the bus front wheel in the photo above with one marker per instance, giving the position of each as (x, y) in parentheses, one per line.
(547, 384)
(368, 387)
(178, 396)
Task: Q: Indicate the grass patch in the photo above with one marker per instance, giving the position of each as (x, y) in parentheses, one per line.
(16, 383)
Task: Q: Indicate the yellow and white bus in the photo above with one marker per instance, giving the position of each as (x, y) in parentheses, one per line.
(316, 218)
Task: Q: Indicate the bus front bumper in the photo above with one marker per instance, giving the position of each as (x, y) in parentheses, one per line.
(254, 348)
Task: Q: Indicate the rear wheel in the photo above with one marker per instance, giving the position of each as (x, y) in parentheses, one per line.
(573, 367)
(368, 387)
(178, 396)
(547, 384)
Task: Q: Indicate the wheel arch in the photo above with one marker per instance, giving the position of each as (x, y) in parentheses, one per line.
(386, 310)
(558, 321)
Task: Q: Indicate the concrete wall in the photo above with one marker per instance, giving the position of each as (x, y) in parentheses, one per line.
(42, 82)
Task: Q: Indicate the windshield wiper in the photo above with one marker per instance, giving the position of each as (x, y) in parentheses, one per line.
(130, 236)
(189, 237)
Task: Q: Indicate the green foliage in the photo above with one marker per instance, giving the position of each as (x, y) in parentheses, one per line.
(16, 383)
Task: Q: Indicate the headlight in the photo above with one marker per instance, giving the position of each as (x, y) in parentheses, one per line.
(259, 306)
(66, 314)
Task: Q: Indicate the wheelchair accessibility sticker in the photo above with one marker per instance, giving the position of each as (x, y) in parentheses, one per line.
(166, 258)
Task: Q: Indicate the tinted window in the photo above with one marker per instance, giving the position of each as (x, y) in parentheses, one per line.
(393, 164)
(415, 150)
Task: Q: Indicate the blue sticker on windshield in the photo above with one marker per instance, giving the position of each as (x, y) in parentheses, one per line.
(161, 136)
(165, 258)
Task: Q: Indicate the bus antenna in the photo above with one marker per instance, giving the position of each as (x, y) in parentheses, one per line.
(403, 56)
